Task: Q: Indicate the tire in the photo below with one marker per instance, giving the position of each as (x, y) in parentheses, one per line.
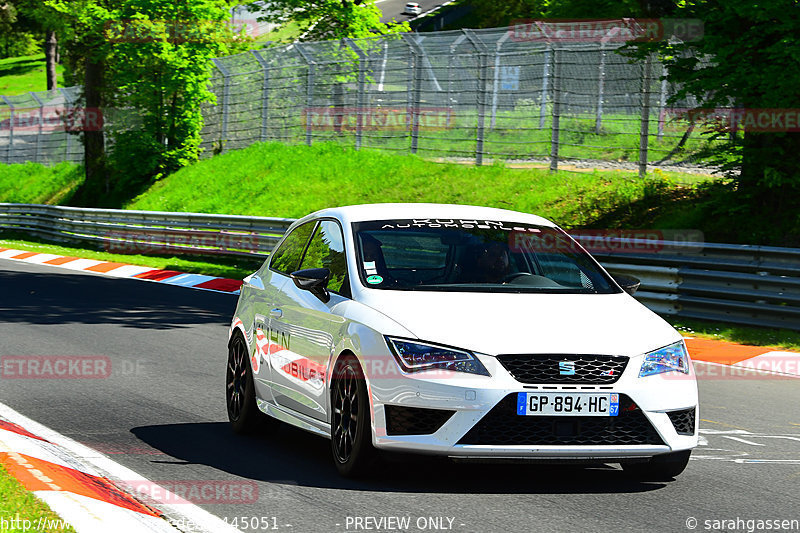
(351, 428)
(240, 393)
(659, 468)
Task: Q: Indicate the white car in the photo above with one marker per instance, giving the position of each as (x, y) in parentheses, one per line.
(412, 8)
(468, 332)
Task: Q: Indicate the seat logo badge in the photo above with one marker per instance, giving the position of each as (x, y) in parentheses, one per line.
(566, 368)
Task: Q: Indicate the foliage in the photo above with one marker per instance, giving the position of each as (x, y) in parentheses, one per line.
(748, 58)
(162, 52)
(146, 64)
(498, 13)
(331, 19)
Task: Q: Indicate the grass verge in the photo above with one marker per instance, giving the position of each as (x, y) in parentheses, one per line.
(272, 179)
(783, 339)
(234, 268)
(19, 505)
(23, 74)
(31, 183)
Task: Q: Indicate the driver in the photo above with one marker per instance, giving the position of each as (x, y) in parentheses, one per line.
(372, 252)
(493, 263)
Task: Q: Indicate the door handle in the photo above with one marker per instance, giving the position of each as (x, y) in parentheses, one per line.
(276, 313)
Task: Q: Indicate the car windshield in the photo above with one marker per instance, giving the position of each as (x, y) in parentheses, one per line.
(474, 255)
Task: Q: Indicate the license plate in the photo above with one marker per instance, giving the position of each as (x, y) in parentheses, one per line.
(567, 404)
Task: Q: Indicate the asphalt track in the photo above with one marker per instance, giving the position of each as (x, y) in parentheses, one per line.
(393, 9)
(161, 413)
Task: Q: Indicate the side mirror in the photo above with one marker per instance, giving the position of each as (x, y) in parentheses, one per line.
(314, 280)
(628, 284)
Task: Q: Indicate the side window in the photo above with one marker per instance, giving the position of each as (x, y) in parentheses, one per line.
(286, 258)
(326, 250)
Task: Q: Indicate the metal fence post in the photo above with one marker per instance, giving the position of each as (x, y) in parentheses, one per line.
(37, 153)
(483, 81)
(645, 120)
(360, 90)
(383, 65)
(226, 97)
(496, 85)
(416, 90)
(545, 78)
(601, 82)
(662, 102)
(555, 132)
(11, 120)
(450, 58)
(67, 103)
(310, 80)
(264, 94)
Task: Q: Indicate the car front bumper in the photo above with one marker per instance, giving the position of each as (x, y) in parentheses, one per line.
(471, 398)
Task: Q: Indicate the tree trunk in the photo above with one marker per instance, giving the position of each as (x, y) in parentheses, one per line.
(50, 50)
(96, 184)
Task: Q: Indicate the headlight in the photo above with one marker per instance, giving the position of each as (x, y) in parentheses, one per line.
(413, 356)
(672, 358)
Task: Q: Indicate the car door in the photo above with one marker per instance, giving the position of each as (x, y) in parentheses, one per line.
(303, 327)
(263, 290)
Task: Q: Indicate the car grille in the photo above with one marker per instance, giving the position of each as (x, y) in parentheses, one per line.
(683, 421)
(401, 420)
(503, 427)
(544, 368)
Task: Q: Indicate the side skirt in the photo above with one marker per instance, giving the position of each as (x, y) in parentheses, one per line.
(295, 419)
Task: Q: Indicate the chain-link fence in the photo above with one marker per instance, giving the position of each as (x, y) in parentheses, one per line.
(470, 94)
(32, 127)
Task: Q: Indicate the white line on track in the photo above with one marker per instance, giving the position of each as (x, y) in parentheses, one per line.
(737, 439)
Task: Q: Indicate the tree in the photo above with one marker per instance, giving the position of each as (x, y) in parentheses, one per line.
(748, 58)
(89, 50)
(17, 38)
(148, 59)
(162, 72)
(331, 19)
(35, 19)
(8, 16)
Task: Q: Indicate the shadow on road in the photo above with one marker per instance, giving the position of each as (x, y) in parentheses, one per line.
(290, 456)
(67, 298)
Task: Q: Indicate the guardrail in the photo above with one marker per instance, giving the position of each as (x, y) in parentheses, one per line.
(744, 284)
(143, 232)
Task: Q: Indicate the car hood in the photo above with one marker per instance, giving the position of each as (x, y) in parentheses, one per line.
(495, 323)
